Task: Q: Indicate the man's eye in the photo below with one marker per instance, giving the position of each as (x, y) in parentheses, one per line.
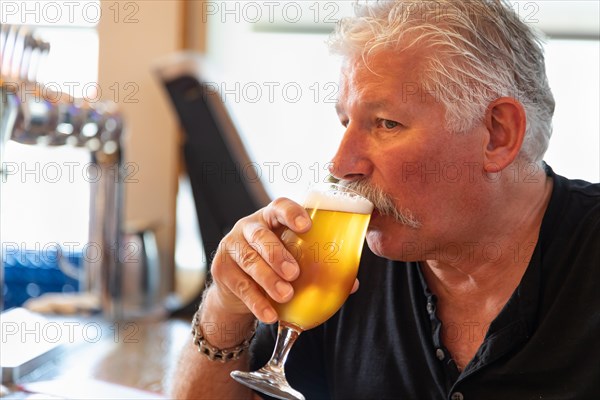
(387, 124)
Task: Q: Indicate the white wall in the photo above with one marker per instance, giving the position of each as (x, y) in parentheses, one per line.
(132, 35)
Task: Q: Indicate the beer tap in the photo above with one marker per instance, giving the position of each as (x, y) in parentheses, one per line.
(42, 117)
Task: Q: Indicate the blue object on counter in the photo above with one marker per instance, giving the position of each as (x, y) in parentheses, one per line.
(31, 273)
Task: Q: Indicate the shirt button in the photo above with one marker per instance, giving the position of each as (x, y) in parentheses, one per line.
(439, 353)
(430, 308)
(457, 396)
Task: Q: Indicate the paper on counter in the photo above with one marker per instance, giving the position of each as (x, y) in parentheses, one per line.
(84, 389)
(28, 341)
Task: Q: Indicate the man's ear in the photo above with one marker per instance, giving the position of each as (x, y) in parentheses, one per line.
(505, 121)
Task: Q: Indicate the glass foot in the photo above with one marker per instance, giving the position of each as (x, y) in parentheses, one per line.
(268, 382)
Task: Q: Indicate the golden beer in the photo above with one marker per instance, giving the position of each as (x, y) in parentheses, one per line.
(328, 256)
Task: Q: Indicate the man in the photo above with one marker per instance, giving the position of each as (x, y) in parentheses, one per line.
(485, 284)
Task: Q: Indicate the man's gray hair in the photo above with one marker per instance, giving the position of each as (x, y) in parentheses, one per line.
(480, 50)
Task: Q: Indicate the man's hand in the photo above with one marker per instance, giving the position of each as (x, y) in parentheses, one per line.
(251, 262)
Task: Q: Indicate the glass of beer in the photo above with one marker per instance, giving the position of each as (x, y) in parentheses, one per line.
(328, 256)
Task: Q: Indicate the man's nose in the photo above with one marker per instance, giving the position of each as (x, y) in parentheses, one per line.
(351, 161)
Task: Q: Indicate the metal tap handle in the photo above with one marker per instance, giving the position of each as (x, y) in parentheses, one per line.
(8, 49)
(39, 117)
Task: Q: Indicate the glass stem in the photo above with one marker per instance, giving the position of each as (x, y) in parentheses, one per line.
(286, 336)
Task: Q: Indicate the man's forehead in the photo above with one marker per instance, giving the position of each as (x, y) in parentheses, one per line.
(377, 79)
(384, 68)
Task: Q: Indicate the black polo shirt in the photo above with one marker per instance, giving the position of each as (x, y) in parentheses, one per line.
(385, 342)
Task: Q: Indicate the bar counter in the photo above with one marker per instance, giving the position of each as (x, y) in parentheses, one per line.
(135, 354)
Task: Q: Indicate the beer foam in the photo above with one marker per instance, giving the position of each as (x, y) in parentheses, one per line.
(338, 201)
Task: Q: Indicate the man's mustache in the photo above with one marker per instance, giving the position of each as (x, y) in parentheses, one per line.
(383, 202)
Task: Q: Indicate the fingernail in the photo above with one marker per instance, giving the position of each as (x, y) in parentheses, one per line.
(284, 289)
(301, 222)
(269, 315)
(289, 270)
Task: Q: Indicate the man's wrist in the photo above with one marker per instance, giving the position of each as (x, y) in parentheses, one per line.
(220, 328)
(214, 353)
